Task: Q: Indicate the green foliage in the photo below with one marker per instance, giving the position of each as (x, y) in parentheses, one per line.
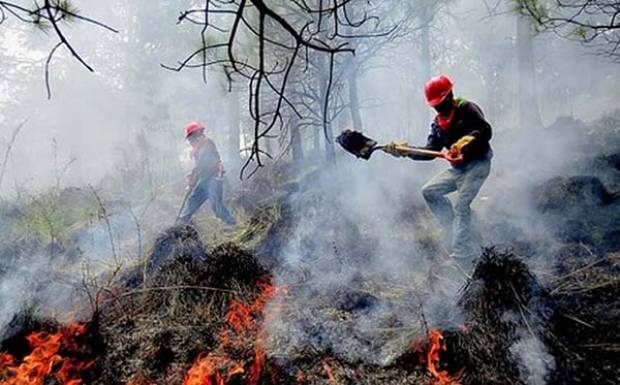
(580, 32)
(532, 8)
(66, 6)
(50, 218)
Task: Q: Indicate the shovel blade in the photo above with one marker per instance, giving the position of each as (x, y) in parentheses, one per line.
(356, 143)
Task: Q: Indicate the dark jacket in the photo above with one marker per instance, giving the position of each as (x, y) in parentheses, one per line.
(207, 160)
(468, 120)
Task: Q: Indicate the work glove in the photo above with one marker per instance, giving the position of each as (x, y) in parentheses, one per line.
(396, 149)
(220, 169)
(456, 150)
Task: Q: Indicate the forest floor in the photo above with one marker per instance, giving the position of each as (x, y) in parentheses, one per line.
(205, 305)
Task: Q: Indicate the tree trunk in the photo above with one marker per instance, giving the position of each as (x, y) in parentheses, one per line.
(330, 152)
(528, 110)
(316, 140)
(491, 107)
(354, 102)
(234, 121)
(426, 56)
(296, 142)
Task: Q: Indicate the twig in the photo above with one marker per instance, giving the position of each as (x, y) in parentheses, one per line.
(9, 147)
(168, 288)
(106, 219)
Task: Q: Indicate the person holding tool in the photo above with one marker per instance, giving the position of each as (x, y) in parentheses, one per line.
(206, 178)
(459, 127)
(459, 134)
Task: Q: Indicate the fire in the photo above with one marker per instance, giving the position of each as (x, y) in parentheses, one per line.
(330, 374)
(300, 377)
(207, 370)
(436, 345)
(49, 359)
(242, 325)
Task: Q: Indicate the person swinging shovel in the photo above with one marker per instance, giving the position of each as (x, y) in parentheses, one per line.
(459, 134)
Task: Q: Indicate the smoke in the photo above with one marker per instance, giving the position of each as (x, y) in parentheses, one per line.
(535, 361)
(52, 288)
(361, 239)
(382, 198)
(363, 281)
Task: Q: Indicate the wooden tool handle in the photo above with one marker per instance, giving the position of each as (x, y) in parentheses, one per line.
(421, 151)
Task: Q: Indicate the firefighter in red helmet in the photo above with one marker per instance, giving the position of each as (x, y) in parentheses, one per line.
(461, 128)
(206, 179)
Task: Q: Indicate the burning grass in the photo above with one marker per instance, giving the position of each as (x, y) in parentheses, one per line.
(202, 317)
(62, 356)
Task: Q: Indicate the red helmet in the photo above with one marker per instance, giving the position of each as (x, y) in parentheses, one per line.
(192, 127)
(437, 89)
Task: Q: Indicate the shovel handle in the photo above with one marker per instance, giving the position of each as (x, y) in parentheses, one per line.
(183, 202)
(419, 151)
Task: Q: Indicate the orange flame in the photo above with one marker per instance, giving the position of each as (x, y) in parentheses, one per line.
(46, 361)
(206, 371)
(330, 374)
(242, 325)
(300, 377)
(436, 345)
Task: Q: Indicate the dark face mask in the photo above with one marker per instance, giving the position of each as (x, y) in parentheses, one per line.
(193, 138)
(446, 106)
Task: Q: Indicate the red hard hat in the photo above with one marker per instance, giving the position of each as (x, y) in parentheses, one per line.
(437, 89)
(192, 127)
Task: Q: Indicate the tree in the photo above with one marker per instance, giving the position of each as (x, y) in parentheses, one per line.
(52, 14)
(529, 112)
(262, 44)
(594, 22)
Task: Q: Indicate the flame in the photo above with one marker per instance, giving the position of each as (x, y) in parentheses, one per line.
(436, 345)
(330, 374)
(242, 325)
(300, 377)
(205, 370)
(47, 360)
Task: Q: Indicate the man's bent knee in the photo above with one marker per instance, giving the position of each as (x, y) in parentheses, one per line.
(431, 193)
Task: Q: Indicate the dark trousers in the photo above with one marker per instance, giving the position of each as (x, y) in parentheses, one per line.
(210, 189)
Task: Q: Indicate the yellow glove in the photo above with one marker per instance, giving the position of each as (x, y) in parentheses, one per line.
(457, 148)
(396, 149)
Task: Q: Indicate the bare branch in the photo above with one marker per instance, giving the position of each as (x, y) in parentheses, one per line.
(9, 147)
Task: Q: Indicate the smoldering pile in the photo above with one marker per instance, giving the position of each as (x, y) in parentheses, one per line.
(518, 332)
(168, 321)
(173, 308)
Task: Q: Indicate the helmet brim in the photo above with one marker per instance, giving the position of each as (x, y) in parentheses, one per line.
(438, 100)
(200, 130)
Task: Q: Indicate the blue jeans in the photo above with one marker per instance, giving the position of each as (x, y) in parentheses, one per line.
(466, 180)
(207, 189)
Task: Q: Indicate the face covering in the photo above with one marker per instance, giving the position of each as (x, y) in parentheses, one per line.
(445, 121)
(196, 144)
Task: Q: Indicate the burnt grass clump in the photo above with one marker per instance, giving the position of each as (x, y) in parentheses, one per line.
(155, 327)
(161, 315)
(585, 328)
(575, 319)
(501, 301)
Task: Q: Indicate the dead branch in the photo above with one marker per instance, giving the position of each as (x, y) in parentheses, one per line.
(51, 13)
(593, 22)
(9, 147)
(104, 215)
(281, 40)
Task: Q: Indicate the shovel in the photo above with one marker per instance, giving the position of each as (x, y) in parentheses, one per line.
(183, 202)
(361, 146)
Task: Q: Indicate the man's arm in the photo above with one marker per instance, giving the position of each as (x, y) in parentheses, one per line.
(482, 131)
(433, 142)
